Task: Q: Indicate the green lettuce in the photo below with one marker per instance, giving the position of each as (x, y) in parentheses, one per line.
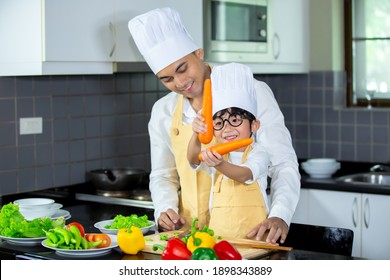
(121, 221)
(13, 224)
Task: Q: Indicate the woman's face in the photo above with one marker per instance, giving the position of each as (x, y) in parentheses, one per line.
(186, 75)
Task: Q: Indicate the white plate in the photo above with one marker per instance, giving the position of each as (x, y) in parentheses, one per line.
(101, 226)
(61, 213)
(33, 214)
(85, 252)
(23, 241)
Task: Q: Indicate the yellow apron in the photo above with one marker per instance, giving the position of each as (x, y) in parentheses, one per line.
(236, 208)
(195, 186)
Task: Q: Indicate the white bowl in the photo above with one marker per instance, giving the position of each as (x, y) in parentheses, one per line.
(321, 168)
(320, 172)
(30, 203)
(321, 160)
(39, 211)
(101, 226)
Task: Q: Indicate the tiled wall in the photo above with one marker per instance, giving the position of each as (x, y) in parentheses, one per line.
(91, 122)
(313, 108)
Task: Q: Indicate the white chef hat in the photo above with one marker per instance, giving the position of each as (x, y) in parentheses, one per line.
(232, 85)
(161, 37)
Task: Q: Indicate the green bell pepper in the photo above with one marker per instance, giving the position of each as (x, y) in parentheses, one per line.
(204, 254)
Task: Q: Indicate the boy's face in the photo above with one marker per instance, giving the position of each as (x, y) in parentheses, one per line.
(233, 127)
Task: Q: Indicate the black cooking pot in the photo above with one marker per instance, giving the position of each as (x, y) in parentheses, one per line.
(118, 179)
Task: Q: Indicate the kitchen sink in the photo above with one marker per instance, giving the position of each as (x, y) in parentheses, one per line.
(369, 178)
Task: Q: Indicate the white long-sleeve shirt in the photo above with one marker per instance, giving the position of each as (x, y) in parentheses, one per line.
(257, 162)
(273, 135)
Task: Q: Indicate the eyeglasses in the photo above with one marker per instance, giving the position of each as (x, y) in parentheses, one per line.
(234, 120)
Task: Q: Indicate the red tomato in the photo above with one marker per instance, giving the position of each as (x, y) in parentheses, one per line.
(78, 225)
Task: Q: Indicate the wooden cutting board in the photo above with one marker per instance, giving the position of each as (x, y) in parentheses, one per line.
(152, 239)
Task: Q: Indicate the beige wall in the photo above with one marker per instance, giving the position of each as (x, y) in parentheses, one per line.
(326, 35)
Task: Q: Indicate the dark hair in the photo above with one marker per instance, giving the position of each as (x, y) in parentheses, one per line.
(236, 111)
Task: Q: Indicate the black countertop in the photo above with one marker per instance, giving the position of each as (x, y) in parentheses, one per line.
(333, 185)
(89, 212)
(83, 206)
(346, 168)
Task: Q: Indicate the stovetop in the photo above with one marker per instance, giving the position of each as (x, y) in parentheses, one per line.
(136, 198)
(114, 200)
(84, 192)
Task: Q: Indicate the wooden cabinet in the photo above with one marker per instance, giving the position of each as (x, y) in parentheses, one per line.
(365, 214)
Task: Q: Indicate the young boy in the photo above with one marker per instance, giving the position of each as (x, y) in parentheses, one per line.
(238, 197)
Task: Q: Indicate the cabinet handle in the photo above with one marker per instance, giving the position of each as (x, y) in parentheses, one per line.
(276, 46)
(366, 213)
(113, 32)
(355, 211)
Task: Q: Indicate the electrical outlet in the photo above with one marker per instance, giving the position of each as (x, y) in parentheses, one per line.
(30, 126)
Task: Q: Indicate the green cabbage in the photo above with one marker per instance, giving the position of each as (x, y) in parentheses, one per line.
(13, 224)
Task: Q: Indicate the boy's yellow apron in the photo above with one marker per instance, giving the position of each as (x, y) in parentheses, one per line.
(236, 208)
(195, 185)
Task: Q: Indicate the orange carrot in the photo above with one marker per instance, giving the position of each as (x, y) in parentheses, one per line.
(207, 113)
(229, 146)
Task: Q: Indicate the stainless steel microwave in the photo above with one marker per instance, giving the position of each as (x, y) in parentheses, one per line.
(237, 31)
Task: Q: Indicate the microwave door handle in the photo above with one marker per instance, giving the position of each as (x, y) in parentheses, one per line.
(276, 46)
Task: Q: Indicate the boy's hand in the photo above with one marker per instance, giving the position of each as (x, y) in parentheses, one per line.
(211, 159)
(198, 126)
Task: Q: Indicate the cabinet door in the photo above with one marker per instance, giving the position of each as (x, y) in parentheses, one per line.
(301, 214)
(78, 30)
(126, 50)
(376, 226)
(55, 37)
(289, 24)
(21, 43)
(337, 209)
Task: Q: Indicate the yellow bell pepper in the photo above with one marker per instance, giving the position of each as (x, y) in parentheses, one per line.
(131, 240)
(200, 240)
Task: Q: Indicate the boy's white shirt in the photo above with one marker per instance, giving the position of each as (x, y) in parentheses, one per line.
(257, 161)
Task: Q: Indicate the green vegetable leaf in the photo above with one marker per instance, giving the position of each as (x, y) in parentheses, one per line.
(13, 224)
(121, 221)
(164, 236)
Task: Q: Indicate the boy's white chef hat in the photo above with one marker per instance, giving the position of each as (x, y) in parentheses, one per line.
(161, 37)
(232, 85)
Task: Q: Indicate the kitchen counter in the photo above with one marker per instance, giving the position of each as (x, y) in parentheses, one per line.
(333, 185)
(347, 168)
(89, 212)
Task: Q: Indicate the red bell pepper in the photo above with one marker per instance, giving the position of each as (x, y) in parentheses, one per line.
(225, 251)
(176, 249)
